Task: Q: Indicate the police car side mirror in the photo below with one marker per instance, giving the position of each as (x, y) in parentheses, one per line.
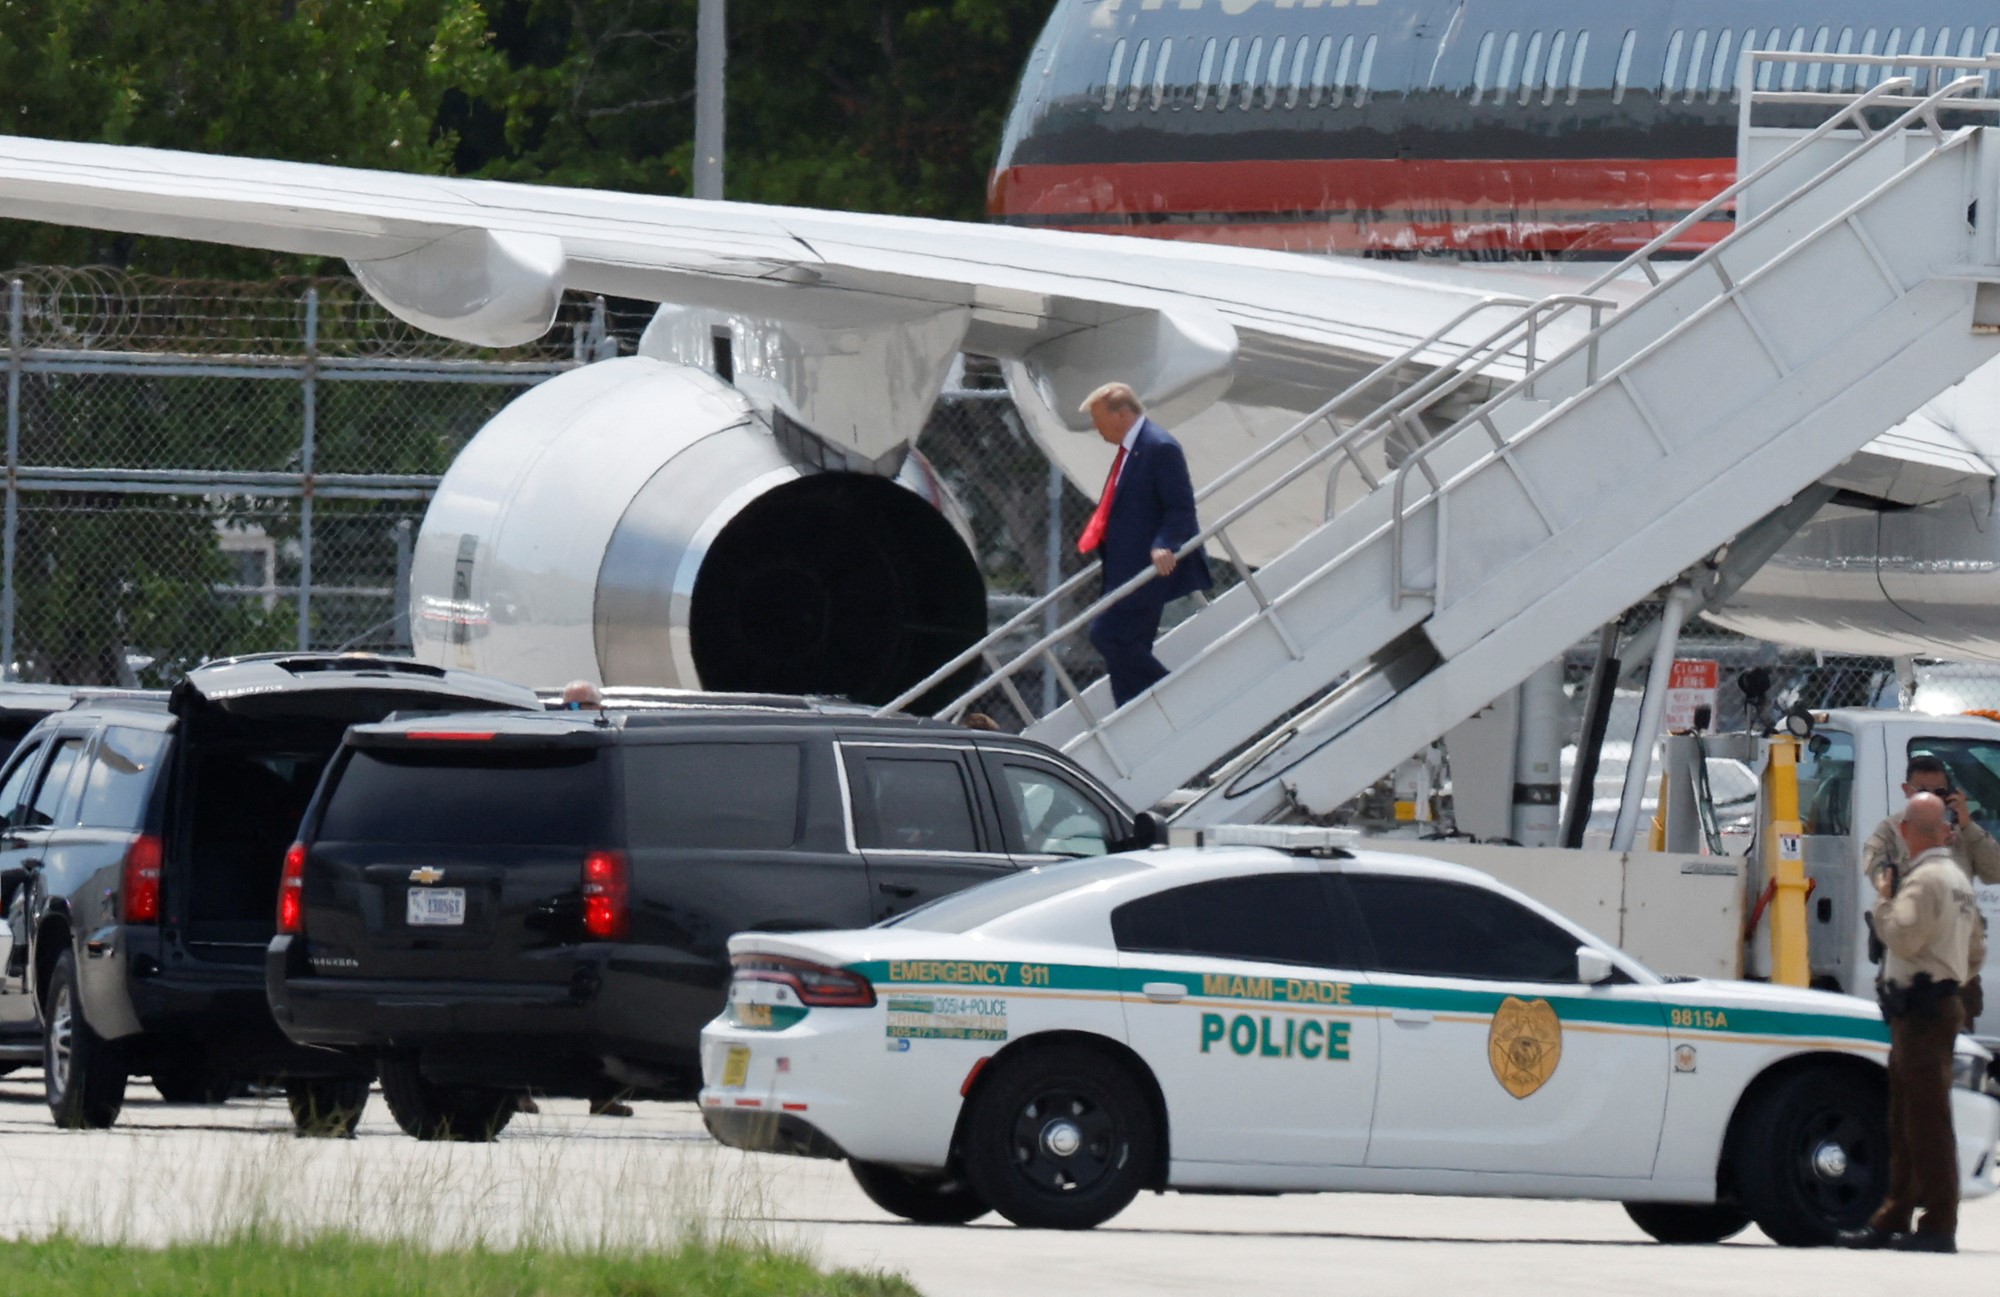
(1593, 967)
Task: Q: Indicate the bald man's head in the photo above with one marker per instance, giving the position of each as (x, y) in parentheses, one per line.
(1924, 823)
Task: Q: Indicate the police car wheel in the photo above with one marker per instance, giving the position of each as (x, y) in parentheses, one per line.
(927, 1202)
(1688, 1222)
(1061, 1138)
(429, 1111)
(1813, 1157)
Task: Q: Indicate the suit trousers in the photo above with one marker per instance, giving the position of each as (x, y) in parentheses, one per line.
(1923, 1156)
(1123, 636)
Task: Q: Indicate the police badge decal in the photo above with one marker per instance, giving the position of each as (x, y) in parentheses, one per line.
(1524, 1045)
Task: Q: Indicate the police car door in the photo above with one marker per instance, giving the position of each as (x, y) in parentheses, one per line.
(1243, 1012)
(1494, 1058)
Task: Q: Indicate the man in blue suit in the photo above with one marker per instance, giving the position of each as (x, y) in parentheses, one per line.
(1145, 514)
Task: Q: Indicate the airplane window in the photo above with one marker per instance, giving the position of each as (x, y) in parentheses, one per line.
(1624, 72)
(1718, 75)
(1298, 72)
(1160, 73)
(1890, 49)
(1965, 42)
(1504, 83)
(1339, 90)
(1556, 45)
(1250, 66)
(1576, 65)
(1938, 77)
(1815, 70)
(1361, 74)
(1531, 67)
(1319, 71)
(1798, 45)
(1115, 78)
(1673, 68)
(1276, 70)
(1915, 73)
(1866, 74)
(1201, 78)
(1226, 82)
(1481, 65)
(1696, 53)
(1840, 70)
(1138, 74)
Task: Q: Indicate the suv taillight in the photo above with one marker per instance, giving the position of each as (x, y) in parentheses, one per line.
(815, 984)
(605, 893)
(292, 892)
(141, 888)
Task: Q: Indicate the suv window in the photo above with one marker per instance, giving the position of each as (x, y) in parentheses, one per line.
(1271, 918)
(504, 797)
(1045, 815)
(741, 796)
(49, 796)
(121, 775)
(1439, 929)
(14, 793)
(914, 803)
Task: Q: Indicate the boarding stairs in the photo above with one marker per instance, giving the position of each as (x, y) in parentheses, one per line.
(1860, 280)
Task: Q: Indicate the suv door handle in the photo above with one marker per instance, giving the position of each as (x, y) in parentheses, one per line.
(1165, 992)
(896, 889)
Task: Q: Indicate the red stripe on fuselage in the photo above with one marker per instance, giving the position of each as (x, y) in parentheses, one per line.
(1360, 205)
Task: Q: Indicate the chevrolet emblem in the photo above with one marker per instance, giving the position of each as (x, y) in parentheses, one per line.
(426, 875)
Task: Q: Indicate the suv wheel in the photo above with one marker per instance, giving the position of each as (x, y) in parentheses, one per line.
(82, 1073)
(927, 1202)
(1061, 1138)
(1814, 1157)
(426, 1110)
(326, 1108)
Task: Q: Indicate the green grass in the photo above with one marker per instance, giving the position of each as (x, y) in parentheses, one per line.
(341, 1266)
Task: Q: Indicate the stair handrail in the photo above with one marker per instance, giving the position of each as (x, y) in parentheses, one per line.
(1452, 375)
(1925, 109)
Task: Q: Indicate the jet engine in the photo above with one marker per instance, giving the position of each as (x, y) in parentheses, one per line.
(639, 522)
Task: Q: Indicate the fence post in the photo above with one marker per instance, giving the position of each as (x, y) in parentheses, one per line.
(402, 595)
(15, 328)
(311, 393)
(1052, 577)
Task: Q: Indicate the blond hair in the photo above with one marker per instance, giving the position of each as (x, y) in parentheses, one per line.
(1119, 396)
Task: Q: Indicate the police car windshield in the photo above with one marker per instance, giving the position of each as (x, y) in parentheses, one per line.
(969, 909)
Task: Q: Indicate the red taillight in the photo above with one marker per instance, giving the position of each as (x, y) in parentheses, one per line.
(292, 892)
(815, 984)
(142, 879)
(604, 895)
(450, 736)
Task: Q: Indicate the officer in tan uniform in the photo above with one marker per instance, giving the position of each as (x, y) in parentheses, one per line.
(1975, 850)
(1929, 923)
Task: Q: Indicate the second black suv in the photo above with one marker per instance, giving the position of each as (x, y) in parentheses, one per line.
(487, 905)
(151, 834)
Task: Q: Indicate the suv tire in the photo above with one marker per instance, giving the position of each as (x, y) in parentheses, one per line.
(1813, 1157)
(1688, 1222)
(429, 1111)
(927, 1202)
(326, 1107)
(1062, 1137)
(83, 1074)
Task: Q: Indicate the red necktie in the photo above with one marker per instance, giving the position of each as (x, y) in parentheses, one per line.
(1093, 531)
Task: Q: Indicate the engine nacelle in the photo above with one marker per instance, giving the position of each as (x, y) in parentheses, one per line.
(636, 522)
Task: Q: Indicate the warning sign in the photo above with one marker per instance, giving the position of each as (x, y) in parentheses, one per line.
(1788, 847)
(1693, 683)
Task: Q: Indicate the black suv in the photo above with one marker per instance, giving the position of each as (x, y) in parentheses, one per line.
(151, 834)
(489, 905)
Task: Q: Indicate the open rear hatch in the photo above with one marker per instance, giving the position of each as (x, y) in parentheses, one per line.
(257, 733)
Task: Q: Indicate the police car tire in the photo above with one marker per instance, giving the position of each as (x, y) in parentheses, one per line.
(1775, 1176)
(428, 1111)
(1688, 1222)
(1119, 1127)
(927, 1202)
(326, 1107)
(90, 1092)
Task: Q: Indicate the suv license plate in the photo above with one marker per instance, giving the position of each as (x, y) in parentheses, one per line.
(736, 1067)
(436, 906)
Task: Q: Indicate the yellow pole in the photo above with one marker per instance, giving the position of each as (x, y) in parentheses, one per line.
(1659, 836)
(1785, 863)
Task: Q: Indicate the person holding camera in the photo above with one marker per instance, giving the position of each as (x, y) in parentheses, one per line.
(1928, 922)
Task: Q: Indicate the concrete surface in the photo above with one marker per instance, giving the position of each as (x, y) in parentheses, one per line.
(185, 1172)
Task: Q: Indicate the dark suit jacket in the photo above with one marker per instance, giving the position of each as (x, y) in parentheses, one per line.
(1154, 509)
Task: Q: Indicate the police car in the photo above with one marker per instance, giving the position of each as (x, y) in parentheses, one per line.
(1049, 1044)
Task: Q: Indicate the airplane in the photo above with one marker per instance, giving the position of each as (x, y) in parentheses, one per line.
(720, 510)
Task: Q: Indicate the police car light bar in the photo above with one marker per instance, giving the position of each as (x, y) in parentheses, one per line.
(1299, 839)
